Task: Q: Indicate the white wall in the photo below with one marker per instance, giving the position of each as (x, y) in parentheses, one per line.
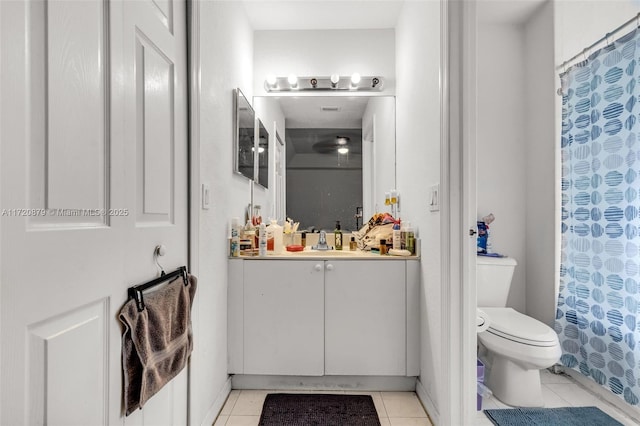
(540, 153)
(501, 160)
(325, 52)
(379, 161)
(226, 52)
(418, 167)
(579, 23)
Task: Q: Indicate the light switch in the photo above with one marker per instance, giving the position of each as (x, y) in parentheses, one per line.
(434, 198)
(206, 196)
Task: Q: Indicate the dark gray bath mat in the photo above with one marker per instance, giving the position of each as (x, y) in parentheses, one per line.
(303, 409)
(565, 416)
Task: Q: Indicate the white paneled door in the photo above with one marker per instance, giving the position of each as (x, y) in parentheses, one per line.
(93, 175)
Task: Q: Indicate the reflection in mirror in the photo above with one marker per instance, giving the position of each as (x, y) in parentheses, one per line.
(324, 176)
(280, 179)
(340, 158)
(244, 136)
(263, 155)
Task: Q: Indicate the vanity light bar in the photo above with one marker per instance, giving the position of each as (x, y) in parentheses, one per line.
(284, 84)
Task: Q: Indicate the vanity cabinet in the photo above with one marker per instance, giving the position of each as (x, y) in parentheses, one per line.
(324, 317)
(283, 318)
(365, 318)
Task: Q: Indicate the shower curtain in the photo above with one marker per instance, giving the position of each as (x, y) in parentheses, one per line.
(597, 316)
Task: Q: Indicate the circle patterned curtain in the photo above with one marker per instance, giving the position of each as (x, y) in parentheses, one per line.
(597, 315)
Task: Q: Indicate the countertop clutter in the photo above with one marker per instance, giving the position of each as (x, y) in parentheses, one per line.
(382, 237)
(308, 253)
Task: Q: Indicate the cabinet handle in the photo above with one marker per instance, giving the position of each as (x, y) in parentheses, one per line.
(318, 267)
(329, 267)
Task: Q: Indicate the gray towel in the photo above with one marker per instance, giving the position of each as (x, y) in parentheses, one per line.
(157, 342)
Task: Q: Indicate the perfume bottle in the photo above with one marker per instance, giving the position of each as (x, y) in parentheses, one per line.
(338, 236)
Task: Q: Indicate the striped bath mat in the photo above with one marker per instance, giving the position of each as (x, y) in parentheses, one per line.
(565, 416)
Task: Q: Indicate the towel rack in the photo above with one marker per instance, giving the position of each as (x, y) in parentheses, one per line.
(135, 292)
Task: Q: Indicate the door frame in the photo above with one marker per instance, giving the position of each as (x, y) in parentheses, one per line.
(458, 210)
(193, 155)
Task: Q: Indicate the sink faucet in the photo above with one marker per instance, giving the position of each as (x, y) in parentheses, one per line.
(322, 242)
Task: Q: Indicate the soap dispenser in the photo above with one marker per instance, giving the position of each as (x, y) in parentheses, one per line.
(338, 236)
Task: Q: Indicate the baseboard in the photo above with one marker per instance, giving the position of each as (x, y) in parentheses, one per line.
(601, 392)
(427, 403)
(355, 383)
(218, 403)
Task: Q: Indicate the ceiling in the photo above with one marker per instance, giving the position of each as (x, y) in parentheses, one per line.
(307, 112)
(322, 15)
(507, 11)
(322, 141)
(308, 124)
(365, 14)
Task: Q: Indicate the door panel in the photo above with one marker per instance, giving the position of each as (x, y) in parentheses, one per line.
(68, 114)
(75, 104)
(72, 113)
(155, 84)
(155, 148)
(54, 367)
(165, 12)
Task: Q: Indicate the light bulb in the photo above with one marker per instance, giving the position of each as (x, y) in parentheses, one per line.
(293, 80)
(343, 150)
(355, 78)
(272, 80)
(335, 78)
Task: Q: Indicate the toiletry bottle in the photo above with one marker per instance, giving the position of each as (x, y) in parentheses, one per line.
(256, 219)
(489, 241)
(411, 240)
(397, 236)
(262, 240)
(250, 234)
(235, 237)
(383, 246)
(403, 235)
(352, 244)
(338, 236)
(303, 239)
(278, 239)
(269, 237)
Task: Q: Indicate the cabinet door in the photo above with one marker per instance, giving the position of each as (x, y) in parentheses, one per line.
(365, 322)
(284, 317)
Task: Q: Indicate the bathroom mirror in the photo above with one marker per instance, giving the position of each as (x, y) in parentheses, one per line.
(263, 155)
(244, 135)
(322, 184)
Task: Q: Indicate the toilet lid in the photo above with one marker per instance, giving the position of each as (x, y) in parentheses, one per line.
(512, 325)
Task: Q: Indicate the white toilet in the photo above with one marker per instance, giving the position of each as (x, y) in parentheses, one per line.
(515, 346)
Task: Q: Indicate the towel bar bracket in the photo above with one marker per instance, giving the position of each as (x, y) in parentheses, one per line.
(135, 292)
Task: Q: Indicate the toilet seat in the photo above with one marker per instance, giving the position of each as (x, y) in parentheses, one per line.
(510, 324)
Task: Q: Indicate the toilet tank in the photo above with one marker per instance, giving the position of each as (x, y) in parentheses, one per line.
(493, 278)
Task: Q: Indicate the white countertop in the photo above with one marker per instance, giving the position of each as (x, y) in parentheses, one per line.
(328, 254)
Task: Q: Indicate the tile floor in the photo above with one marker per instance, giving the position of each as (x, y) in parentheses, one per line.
(559, 390)
(243, 407)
